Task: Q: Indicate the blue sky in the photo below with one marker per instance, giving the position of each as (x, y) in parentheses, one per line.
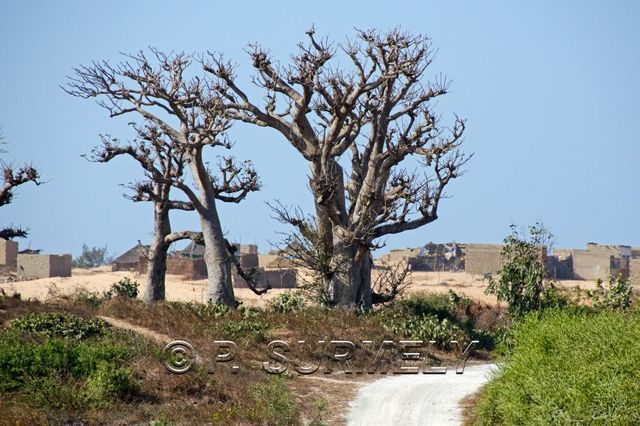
(551, 92)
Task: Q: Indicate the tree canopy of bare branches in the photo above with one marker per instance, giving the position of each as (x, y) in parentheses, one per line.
(14, 176)
(182, 115)
(357, 112)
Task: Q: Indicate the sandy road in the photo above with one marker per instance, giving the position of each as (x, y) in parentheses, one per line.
(417, 399)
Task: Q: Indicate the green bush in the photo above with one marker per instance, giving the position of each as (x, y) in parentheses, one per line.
(52, 324)
(424, 317)
(522, 283)
(59, 372)
(289, 301)
(573, 366)
(616, 294)
(123, 288)
(273, 403)
(107, 383)
(426, 328)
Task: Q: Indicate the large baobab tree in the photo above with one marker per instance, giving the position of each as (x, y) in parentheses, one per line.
(358, 127)
(188, 113)
(14, 176)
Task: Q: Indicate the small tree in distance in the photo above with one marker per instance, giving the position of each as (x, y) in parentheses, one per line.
(522, 283)
(92, 257)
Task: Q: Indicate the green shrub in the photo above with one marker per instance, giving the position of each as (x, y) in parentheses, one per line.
(616, 294)
(426, 328)
(568, 367)
(522, 283)
(273, 403)
(59, 372)
(106, 383)
(59, 324)
(289, 301)
(123, 288)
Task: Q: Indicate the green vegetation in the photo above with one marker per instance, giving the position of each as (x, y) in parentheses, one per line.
(60, 361)
(575, 366)
(615, 295)
(125, 288)
(442, 318)
(92, 257)
(60, 324)
(289, 301)
(62, 364)
(522, 283)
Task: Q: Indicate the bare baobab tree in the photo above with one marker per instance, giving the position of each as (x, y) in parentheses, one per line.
(14, 176)
(163, 163)
(189, 116)
(358, 128)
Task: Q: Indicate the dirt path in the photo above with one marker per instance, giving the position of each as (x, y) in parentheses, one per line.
(160, 338)
(417, 399)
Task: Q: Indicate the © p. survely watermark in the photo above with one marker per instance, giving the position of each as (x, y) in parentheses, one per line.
(327, 356)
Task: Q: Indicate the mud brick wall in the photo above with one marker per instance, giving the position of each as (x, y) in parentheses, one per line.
(248, 248)
(188, 269)
(249, 260)
(588, 265)
(634, 271)
(8, 252)
(36, 266)
(482, 258)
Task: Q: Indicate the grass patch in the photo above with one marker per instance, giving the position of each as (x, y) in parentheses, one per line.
(574, 366)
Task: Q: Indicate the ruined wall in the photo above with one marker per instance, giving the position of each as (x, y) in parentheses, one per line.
(35, 266)
(249, 260)
(591, 265)
(482, 258)
(8, 252)
(634, 271)
(395, 256)
(188, 269)
(248, 248)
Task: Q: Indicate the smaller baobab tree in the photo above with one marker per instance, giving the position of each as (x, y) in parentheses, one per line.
(14, 176)
(188, 113)
(162, 163)
(361, 114)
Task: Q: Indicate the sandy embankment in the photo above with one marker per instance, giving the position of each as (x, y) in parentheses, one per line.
(100, 279)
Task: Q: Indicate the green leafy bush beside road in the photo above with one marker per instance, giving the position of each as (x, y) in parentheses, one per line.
(568, 367)
(61, 361)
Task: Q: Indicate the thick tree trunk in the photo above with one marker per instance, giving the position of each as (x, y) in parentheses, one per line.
(216, 257)
(155, 288)
(352, 287)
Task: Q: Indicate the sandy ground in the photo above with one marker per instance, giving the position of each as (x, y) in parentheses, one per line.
(417, 399)
(177, 289)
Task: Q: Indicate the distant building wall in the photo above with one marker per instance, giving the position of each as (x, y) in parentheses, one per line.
(634, 271)
(249, 260)
(249, 248)
(119, 266)
(482, 258)
(35, 266)
(189, 269)
(8, 252)
(276, 278)
(588, 265)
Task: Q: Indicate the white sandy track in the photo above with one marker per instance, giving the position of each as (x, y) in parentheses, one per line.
(420, 399)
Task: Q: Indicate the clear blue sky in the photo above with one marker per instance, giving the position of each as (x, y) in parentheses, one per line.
(551, 91)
